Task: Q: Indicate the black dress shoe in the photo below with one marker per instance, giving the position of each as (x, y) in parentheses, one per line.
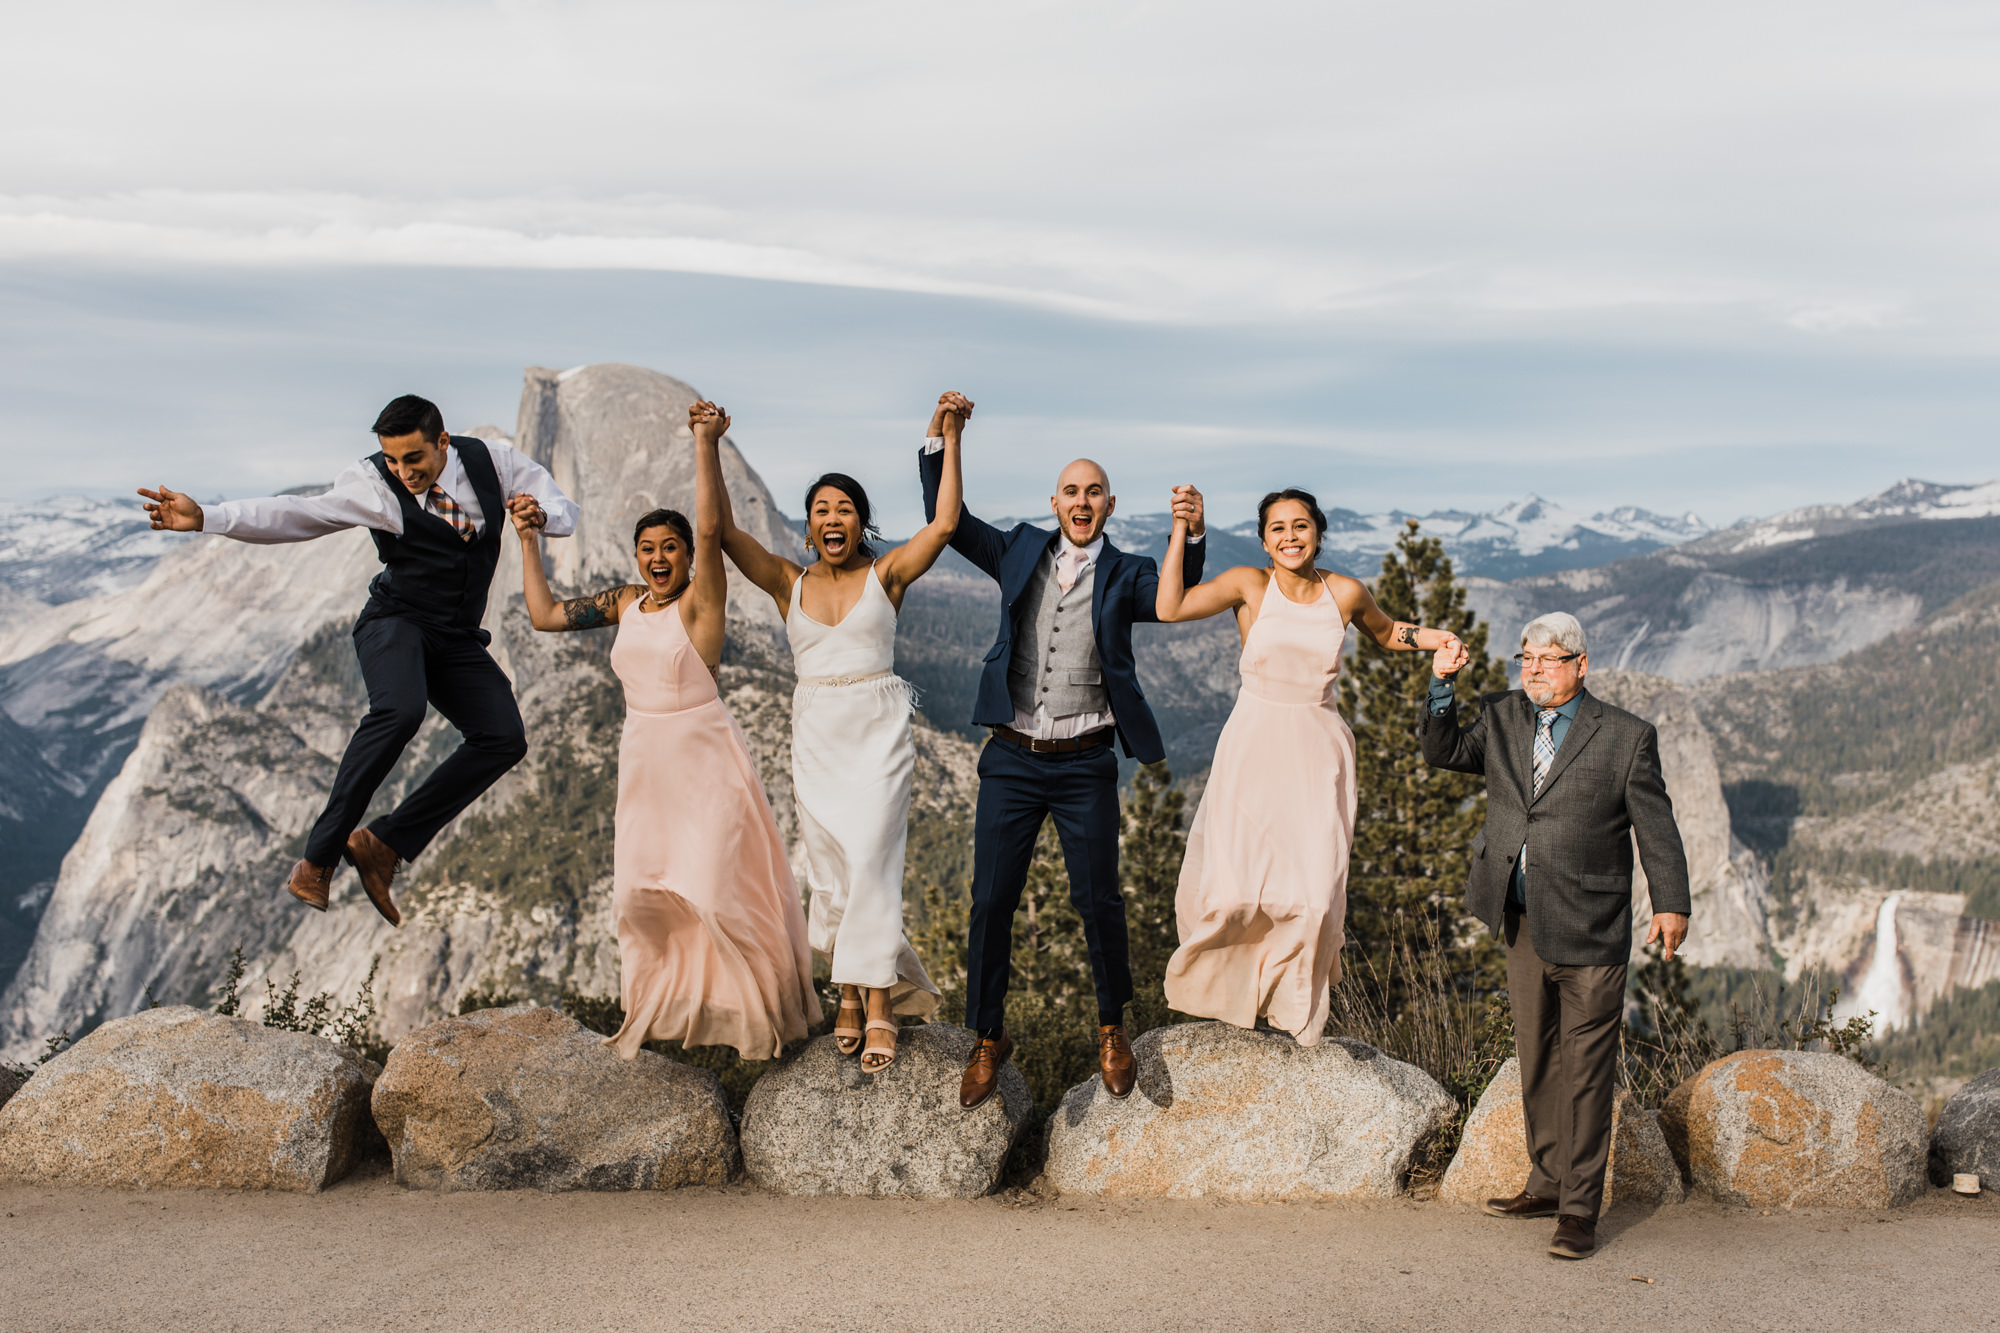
(1575, 1238)
(1523, 1204)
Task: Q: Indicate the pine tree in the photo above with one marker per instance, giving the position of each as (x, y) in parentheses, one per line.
(1415, 825)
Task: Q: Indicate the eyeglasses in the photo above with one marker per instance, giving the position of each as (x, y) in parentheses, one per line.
(1544, 663)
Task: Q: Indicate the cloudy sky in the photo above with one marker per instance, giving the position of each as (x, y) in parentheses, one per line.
(1722, 257)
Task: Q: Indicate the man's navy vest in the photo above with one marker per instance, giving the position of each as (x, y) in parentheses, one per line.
(430, 573)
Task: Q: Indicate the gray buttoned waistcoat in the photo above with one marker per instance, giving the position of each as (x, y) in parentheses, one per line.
(1055, 663)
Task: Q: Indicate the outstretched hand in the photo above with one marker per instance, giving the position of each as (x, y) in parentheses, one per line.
(1187, 505)
(527, 513)
(1671, 930)
(171, 511)
(1450, 658)
(707, 421)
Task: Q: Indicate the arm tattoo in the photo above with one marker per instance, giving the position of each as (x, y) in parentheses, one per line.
(592, 612)
(1407, 636)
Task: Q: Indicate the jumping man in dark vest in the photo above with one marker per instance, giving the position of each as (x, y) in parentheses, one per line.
(434, 504)
(1058, 685)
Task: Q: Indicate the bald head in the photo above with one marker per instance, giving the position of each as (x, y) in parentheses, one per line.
(1082, 501)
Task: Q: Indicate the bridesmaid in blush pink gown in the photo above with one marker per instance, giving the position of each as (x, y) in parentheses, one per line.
(711, 938)
(1262, 902)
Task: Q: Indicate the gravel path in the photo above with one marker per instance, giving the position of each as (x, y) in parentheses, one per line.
(369, 1255)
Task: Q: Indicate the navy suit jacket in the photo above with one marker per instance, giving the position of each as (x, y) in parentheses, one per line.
(1122, 595)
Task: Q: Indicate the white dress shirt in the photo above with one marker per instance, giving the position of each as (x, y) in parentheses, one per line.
(360, 498)
(1039, 724)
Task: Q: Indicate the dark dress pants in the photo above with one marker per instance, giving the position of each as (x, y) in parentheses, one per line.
(1566, 1026)
(408, 664)
(1017, 790)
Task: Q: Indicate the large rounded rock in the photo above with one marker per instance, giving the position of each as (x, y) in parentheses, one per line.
(1967, 1137)
(818, 1124)
(178, 1097)
(527, 1098)
(1492, 1157)
(1796, 1129)
(1224, 1113)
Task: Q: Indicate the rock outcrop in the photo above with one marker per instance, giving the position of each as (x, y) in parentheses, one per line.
(10, 1083)
(1492, 1157)
(1967, 1137)
(1224, 1113)
(1796, 1129)
(816, 1124)
(528, 1098)
(178, 1097)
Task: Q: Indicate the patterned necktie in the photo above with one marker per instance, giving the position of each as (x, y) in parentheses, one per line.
(447, 509)
(1068, 565)
(1545, 745)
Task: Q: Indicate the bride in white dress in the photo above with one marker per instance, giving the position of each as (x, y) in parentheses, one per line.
(852, 752)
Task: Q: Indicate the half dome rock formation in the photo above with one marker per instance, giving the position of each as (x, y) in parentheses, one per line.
(1797, 1129)
(1967, 1137)
(817, 1124)
(528, 1098)
(178, 1097)
(1248, 1116)
(617, 441)
(1492, 1157)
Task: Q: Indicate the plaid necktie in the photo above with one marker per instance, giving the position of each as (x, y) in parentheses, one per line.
(447, 509)
(1545, 745)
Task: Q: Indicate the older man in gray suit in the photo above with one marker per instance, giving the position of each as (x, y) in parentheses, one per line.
(1570, 783)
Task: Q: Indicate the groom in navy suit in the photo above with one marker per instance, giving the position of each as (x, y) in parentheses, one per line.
(1059, 684)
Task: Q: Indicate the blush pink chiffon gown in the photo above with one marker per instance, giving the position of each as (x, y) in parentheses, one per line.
(1262, 901)
(711, 937)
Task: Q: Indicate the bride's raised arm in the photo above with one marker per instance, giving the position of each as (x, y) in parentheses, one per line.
(909, 562)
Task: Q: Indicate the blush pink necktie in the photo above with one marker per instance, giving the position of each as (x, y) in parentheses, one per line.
(1068, 565)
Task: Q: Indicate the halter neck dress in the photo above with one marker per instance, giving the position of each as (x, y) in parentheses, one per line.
(711, 940)
(1262, 900)
(853, 759)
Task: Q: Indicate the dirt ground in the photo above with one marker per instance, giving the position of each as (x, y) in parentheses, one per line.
(367, 1254)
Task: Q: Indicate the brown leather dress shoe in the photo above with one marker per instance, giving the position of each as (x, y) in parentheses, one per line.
(982, 1071)
(1523, 1204)
(1575, 1238)
(1114, 1060)
(310, 883)
(375, 861)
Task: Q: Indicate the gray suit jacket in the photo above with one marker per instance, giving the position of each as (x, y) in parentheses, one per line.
(1605, 784)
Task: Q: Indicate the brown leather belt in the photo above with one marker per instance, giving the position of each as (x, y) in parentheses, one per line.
(1090, 740)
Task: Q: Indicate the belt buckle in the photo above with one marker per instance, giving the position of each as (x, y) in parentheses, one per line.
(1036, 745)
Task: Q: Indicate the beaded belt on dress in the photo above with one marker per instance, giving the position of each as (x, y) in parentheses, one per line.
(845, 680)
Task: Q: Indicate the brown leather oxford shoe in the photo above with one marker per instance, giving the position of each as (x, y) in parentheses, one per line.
(310, 884)
(1114, 1060)
(375, 861)
(982, 1071)
(1523, 1204)
(1575, 1238)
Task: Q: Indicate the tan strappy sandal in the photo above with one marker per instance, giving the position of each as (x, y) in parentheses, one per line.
(886, 1054)
(847, 1032)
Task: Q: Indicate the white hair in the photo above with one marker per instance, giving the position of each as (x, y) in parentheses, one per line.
(1557, 629)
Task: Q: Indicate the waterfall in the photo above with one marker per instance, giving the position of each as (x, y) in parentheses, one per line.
(1881, 987)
